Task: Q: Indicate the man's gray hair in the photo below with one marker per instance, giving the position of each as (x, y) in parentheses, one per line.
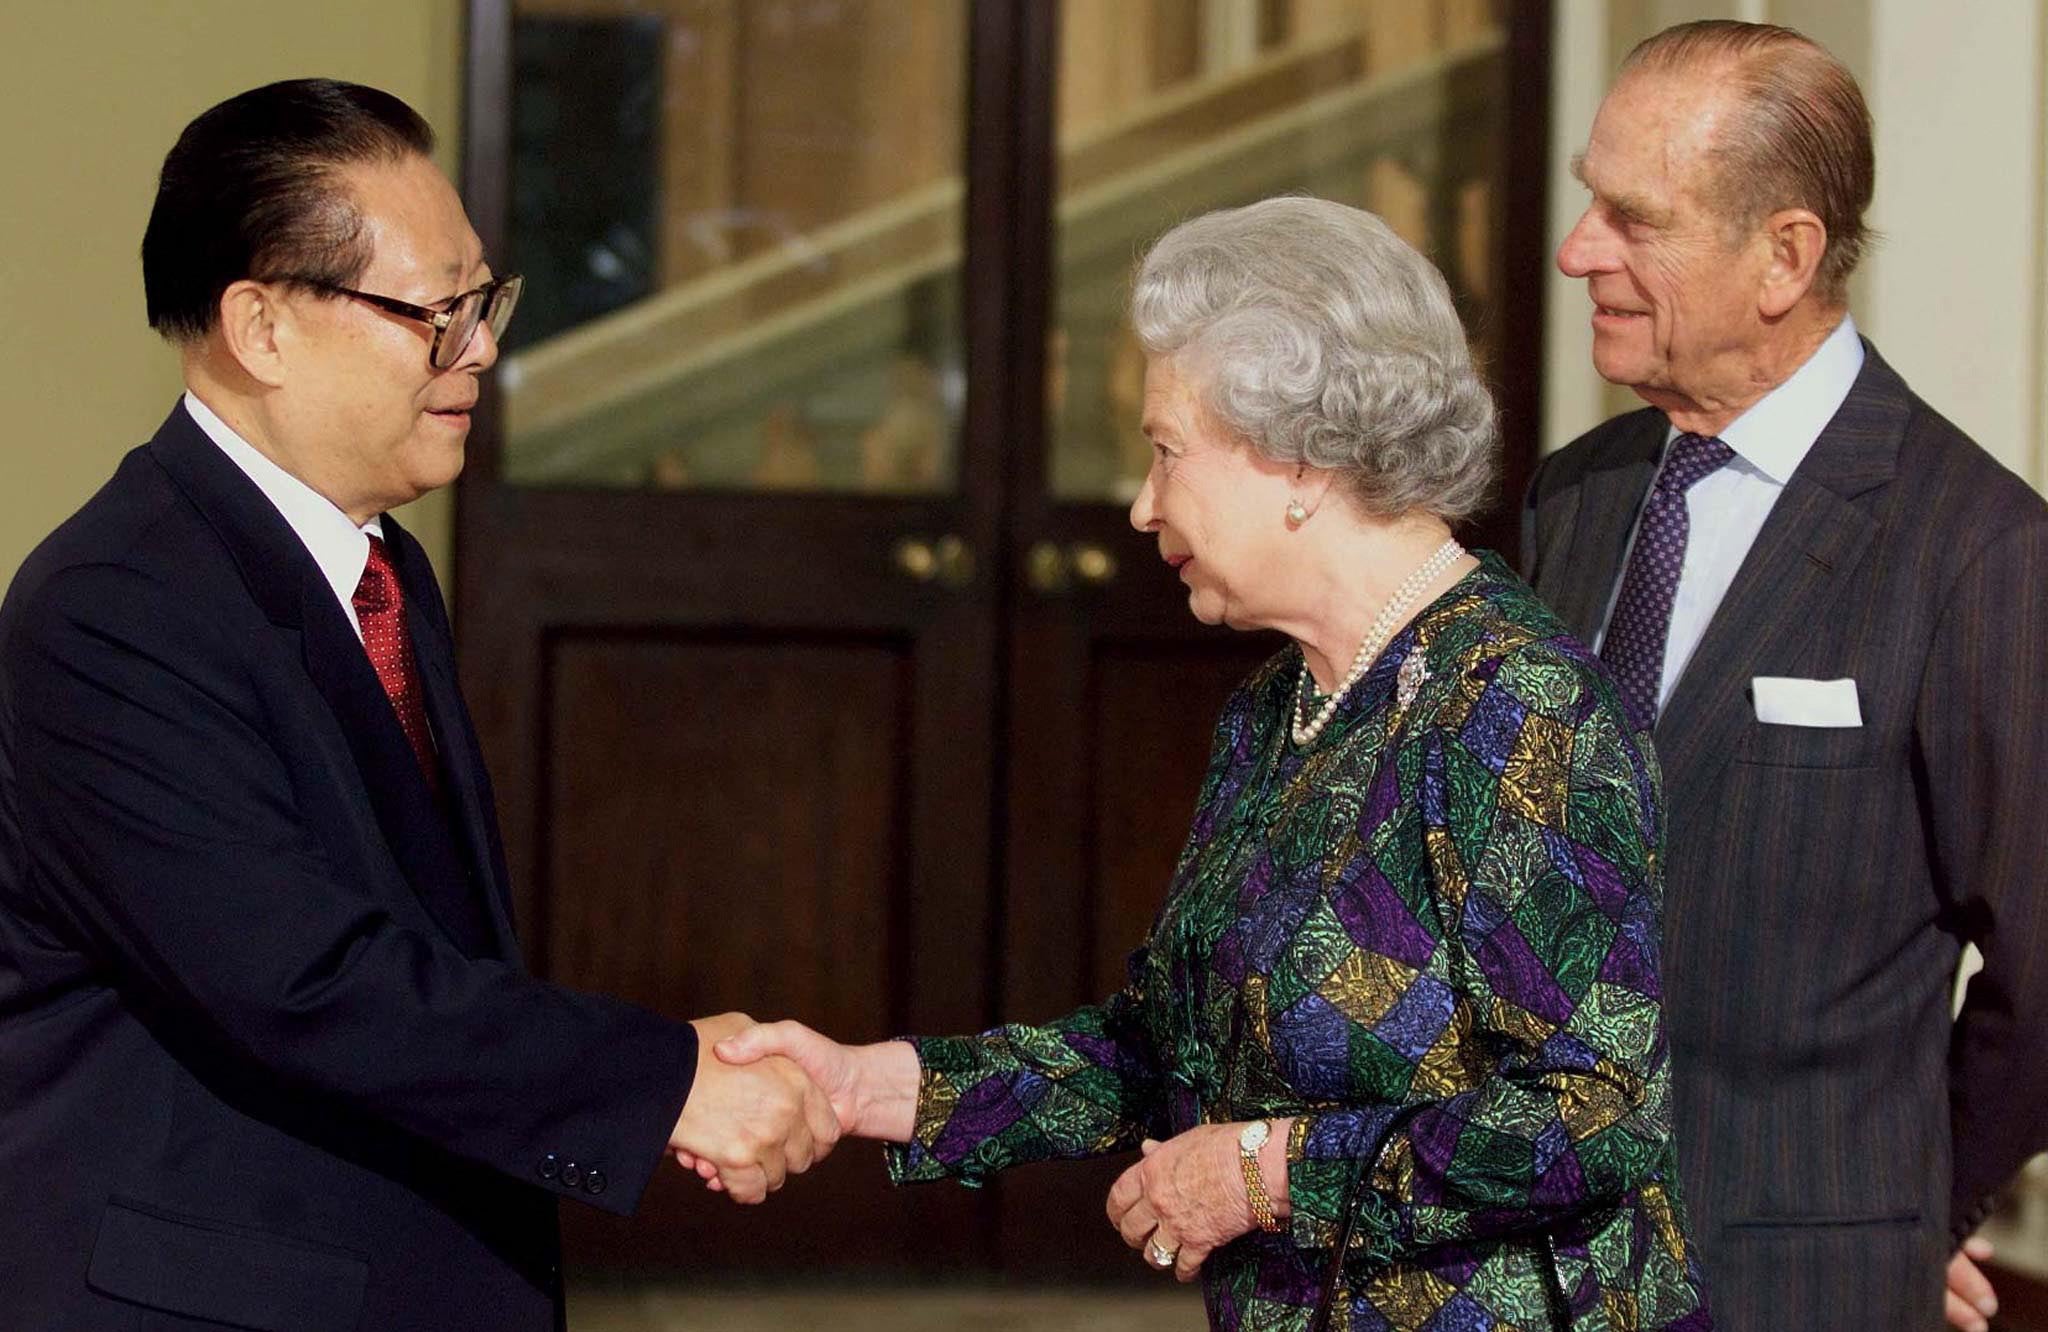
(1798, 134)
(1321, 337)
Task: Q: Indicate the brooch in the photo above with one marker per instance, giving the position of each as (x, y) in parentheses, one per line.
(1408, 683)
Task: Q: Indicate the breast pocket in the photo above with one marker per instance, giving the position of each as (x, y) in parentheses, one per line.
(1807, 723)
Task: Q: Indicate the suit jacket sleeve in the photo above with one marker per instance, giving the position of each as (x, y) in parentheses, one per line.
(165, 833)
(1982, 732)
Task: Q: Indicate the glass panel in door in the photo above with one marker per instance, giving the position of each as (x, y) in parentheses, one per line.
(1168, 108)
(741, 227)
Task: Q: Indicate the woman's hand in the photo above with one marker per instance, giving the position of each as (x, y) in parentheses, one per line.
(872, 1088)
(1188, 1193)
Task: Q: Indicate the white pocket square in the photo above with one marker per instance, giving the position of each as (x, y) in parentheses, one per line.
(1784, 701)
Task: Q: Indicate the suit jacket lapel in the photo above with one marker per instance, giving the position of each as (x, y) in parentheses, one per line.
(468, 785)
(1598, 541)
(288, 586)
(412, 819)
(1813, 540)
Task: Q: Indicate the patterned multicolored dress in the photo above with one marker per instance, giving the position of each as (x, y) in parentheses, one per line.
(1431, 938)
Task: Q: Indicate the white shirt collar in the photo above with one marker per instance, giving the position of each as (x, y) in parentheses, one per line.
(1775, 435)
(335, 542)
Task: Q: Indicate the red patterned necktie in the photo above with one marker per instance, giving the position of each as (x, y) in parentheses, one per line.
(380, 609)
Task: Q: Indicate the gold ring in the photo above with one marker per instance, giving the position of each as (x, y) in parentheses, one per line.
(1158, 1255)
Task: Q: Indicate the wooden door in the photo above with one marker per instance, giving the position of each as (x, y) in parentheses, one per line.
(740, 715)
(819, 670)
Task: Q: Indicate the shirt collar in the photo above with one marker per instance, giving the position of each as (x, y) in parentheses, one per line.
(1775, 435)
(335, 542)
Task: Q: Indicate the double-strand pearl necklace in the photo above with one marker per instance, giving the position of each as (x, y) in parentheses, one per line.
(1307, 729)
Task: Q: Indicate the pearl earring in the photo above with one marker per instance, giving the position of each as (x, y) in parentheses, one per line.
(1297, 513)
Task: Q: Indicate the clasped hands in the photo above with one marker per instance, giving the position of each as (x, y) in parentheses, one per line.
(751, 1125)
(782, 1095)
(772, 1100)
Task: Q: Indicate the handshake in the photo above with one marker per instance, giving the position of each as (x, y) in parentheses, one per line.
(772, 1100)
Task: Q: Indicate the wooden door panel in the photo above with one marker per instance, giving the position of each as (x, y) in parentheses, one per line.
(736, 803)
(725, 816)
(1118, 726)
(1152, 710)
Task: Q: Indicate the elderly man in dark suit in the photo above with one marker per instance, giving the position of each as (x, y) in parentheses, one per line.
(268, 1058)
(1830, 603)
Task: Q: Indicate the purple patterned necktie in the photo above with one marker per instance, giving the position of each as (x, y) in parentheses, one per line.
(1634, 646)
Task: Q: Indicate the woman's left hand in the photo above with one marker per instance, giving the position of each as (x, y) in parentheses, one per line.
(1190, 1191)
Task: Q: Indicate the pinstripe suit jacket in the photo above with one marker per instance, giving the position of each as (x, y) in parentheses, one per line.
(1836, 1133)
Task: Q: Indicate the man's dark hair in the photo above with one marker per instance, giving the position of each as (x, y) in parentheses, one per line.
(250, 191)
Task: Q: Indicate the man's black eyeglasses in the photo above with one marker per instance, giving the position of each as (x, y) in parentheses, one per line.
(453, 326)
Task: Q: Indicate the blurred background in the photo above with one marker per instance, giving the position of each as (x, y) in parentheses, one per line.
(819, 670)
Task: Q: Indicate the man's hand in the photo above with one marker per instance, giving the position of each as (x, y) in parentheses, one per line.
(1187, 1196)
(1971, 1303)
(756, 1125)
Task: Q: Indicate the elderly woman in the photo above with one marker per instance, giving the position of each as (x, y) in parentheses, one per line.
(1393, 1048)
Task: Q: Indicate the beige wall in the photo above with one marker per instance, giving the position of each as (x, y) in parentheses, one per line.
(93, 93)
(1955, 293)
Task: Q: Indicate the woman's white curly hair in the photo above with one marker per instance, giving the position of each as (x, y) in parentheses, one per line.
(1317, 334)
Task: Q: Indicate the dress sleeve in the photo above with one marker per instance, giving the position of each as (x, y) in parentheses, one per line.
(1516, 974)
(1086, 1085)
(1089, 1084)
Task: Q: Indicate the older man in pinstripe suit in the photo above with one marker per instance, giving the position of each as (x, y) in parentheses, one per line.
(1833, 608)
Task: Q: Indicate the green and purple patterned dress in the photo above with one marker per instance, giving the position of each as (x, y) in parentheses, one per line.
(1431, 937)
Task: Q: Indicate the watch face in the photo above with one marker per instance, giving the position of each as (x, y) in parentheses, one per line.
(1254, 1135)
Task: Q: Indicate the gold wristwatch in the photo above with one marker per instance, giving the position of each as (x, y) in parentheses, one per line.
(1249, 1141)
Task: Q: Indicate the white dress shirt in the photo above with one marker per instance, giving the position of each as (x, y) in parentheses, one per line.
(1726, 508)
(337, 545)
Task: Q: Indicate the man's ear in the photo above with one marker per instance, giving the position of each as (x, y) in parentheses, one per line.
(257, 329)
(1798, 240)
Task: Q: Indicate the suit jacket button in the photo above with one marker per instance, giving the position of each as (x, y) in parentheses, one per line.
(593, 1183)
(550, 1166)
(572, 1174)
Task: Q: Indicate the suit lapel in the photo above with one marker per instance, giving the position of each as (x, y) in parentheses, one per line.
(413, 823)
(286, 583)
(468, 785)
(1815, 537)
(1598, 540)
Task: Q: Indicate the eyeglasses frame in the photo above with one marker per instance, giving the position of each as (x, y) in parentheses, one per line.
(439, 320)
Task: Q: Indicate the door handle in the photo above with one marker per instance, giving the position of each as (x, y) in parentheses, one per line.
(955, 559)
(915, 558)
(1045, 568)
(1092, 564)
(1051, 570)
(948, 561)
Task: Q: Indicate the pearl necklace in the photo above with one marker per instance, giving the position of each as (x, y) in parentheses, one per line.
(1306, 729)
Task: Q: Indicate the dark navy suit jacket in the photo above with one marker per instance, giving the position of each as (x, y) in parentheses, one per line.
(268, 1057)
